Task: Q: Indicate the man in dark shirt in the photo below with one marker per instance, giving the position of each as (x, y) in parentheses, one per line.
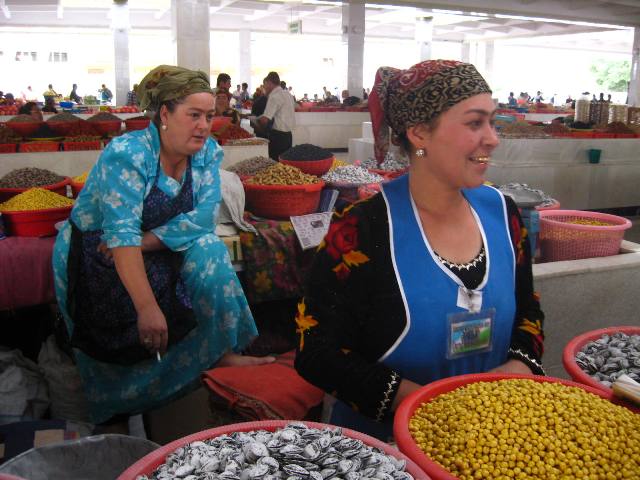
(257, 109)
(73, 96)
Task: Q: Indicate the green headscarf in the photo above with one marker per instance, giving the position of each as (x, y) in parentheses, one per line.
(167, 82)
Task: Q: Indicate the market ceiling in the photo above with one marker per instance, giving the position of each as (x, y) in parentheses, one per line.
(453, 20)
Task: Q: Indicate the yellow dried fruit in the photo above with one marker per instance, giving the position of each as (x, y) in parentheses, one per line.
(523, 429)
(81, 178)
(281, 174)
(35, 199)
(585, 221)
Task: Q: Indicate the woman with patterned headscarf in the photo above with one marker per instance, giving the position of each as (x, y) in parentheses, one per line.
(432, 277)
(146, 288)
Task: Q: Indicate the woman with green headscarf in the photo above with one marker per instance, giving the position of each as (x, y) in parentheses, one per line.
(146, 288)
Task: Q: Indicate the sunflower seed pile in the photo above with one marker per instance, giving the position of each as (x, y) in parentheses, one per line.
(295, 452)
(391, 162)
(251, 166)
(610, 356)
(546, 199)
(351, 174)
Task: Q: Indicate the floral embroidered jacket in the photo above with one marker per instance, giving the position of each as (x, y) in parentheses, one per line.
(353, 311)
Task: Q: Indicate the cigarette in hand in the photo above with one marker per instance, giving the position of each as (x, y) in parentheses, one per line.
(158, 356)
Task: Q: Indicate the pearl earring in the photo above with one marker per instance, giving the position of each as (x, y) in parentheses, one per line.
(164, 127)
(420, 152)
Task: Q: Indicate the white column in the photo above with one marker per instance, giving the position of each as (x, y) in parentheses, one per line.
(120, 27)
(353, 29)
(245, 58)
(424, 37)
(190, 33)
(466, 52)
(489, 48)
(634, 84)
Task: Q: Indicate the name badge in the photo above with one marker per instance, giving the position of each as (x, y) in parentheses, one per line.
(470, 333)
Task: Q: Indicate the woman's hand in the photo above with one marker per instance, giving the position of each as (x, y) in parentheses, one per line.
(152, 328)
(106, 251)
(151, 243)
(405, 389)
(512, 366)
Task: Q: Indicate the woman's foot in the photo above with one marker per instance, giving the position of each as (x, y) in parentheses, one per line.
(231, 359)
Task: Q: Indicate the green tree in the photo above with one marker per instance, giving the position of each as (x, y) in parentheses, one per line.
(613, 75)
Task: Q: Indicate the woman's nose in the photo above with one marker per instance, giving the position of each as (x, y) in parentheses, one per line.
(491, 137)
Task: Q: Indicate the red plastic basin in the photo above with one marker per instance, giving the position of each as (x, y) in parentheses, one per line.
(311, 167)
(60, 187)
(405, 411)
(76, 187)
(108, 126)
(574, 346)
(146, 465)
(61, 128)
(35, 223)
(282, 201)
(24, 129)
(137, 123)
(218, 122)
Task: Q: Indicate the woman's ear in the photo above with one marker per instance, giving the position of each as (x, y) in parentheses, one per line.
(164, 114)
(419, 135)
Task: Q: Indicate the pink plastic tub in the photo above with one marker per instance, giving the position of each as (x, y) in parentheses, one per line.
(560, 239)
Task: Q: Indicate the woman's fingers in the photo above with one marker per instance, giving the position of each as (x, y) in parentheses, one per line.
(104, 250)
(155, 341)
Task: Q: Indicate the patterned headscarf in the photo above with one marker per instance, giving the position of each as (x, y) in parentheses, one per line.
(404, 98)
(167, 82)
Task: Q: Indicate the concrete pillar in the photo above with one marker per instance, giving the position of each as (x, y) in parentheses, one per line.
(424, 37)
(489, 48)
(466, 52)
(120, 27)
(353, 29)
(245, 58)
(634, 84)
(190, 33)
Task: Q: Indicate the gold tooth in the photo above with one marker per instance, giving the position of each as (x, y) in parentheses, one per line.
(483, 159)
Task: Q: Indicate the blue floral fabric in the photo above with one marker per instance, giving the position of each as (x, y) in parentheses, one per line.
(112, 200)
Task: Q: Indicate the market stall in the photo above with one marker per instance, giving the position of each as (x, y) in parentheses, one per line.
(83, 116)
(559, 166)
(75, 162)
(328, 129)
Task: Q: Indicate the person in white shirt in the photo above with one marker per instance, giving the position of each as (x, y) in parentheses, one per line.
(280, 110)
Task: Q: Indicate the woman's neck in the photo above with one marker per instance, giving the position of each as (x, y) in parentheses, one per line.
(432, 196)
(172, 163)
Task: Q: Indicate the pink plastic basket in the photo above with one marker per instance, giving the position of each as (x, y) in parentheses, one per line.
(562, 240)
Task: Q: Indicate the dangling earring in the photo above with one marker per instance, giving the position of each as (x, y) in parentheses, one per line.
(420, 152)
(164, 127)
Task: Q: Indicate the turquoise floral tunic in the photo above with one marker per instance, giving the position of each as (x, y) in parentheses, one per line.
(112, 201)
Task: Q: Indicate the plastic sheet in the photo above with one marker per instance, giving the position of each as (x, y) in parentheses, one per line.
(101, 457)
